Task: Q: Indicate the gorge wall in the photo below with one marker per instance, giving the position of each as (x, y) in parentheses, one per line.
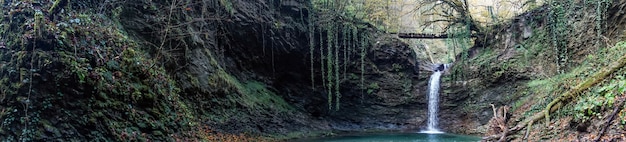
(182, 70)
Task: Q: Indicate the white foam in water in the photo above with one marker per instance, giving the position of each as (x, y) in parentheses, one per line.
(432, 132)
(433, 103)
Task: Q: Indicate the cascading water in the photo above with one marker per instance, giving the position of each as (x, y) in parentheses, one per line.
(433, 100)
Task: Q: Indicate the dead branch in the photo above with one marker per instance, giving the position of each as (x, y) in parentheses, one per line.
(498, 123)
(617, 108)
(503, 121)
(453, 11)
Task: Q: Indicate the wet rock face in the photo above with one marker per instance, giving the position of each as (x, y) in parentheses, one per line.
(244, 44)
(391, 97)
(466, 105)
(272, 47)
(265, 46)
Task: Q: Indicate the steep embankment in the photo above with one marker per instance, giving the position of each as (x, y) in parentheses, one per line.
(182, 70)
(560, 48)
(69, 74)
(253, 74)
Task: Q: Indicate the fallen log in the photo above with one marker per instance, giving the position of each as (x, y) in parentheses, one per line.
(561, 100)
(427, 35)
(595, 79)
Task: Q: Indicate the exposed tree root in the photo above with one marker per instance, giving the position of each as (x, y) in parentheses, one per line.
(559, 101)
(499, 121)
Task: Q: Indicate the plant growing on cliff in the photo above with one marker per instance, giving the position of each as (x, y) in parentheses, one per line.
(363, 54)
(589, 104)
(311, 30)
(339, 27)
(460, 40)
(329, 64)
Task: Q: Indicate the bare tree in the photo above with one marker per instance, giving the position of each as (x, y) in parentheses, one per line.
(450, 13)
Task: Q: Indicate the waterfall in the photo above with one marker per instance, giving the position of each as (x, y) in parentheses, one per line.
(433, 102)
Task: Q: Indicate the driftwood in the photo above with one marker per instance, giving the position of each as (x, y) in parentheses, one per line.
(500, 120)
(561, 100)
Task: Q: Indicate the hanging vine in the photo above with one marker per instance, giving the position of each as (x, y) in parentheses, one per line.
(557, 27)
(311, 30)
(601, 8)
(345, 49)
(321, 43)
(338, 30)
(461, 38)
(363, 44)
(337, 94)
(329, 65)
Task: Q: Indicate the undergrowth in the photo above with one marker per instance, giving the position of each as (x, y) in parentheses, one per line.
(601, 98)
(590, 104)
(87, 78)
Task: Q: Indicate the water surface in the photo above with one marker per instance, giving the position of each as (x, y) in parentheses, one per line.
(397, 137)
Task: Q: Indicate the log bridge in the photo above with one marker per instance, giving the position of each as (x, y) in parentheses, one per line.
(426, 35)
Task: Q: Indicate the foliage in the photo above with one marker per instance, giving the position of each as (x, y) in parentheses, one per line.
(585, 106)
(228, 5)
(256, 96)
(97, 82)
(559, 25)
(341, 33)
(602, 97)
(372, 88)
(461, 40)
(567, 50)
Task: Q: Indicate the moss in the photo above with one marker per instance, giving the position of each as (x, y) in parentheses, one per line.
(228, 5)
(194, 80)
(55, 8)
(259, 95)
(371, 88)
(38, 24)
(254, 95)
(122, 79)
